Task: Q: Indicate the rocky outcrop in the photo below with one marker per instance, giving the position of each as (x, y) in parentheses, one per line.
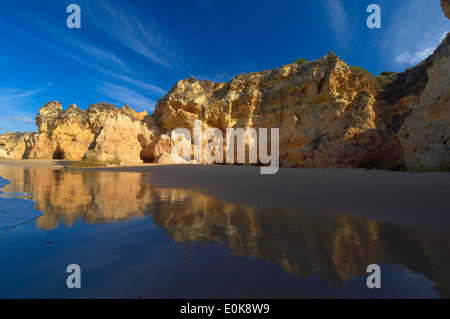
(15, 145)
(446, 7)
(4, 154)
(329, 114)
(122, 138)
(425, 135)
(46, 119)
(62, 134)
(65, 134)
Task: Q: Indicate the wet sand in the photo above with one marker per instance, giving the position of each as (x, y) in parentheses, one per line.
(404, 198)
(37, 163)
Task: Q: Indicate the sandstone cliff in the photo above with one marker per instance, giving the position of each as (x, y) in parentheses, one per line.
(446, 7)
(425, 135)
(15, 145)
(329, 115)
(326, 111)
(64, 134)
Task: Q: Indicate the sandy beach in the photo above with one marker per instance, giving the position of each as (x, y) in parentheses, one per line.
(404, 198)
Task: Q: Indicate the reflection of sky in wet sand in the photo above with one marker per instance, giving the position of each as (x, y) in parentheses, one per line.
(119, 224)
(15, 212)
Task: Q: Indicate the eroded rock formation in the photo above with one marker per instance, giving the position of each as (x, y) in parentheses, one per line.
(15, 145)
(65, 134)
(326, 111)
(425, 135)
(446, 7)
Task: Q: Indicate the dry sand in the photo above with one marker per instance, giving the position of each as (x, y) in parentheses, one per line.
(406, 198)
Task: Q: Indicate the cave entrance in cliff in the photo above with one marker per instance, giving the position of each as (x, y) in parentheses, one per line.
(148, 160)
(58, 153)
(146, 155)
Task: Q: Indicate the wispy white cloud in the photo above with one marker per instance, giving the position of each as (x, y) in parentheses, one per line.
(136, 33)
(13, 105)
(441, 36)
(23, 119)
(93, 57)
(208, 6)
(148, 87)
(59, 35)
(9, 95)
(413, 58)
(410, 37)
(51, 45)
(121, 96)
(339, 21)
(102, 55)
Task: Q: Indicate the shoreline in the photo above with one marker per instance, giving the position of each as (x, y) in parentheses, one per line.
(36, 163)
(15, 211)
(407, 198)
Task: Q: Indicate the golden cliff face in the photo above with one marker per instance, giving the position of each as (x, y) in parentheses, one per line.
(327, 113)
(15, 145)
(425, 135)
(122, 138)
(69, 134)
(446, 7)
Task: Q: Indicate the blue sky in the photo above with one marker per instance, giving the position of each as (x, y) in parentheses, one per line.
(132, 52)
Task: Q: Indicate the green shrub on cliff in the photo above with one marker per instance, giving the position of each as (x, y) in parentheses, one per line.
(301, 61)
(360, 69)
(387, 73)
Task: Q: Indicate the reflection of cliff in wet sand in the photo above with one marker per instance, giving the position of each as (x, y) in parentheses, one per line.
(335, 247)
(91, 197)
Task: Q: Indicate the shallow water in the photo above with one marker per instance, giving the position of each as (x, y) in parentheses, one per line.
(133, 239)
(14, 212)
